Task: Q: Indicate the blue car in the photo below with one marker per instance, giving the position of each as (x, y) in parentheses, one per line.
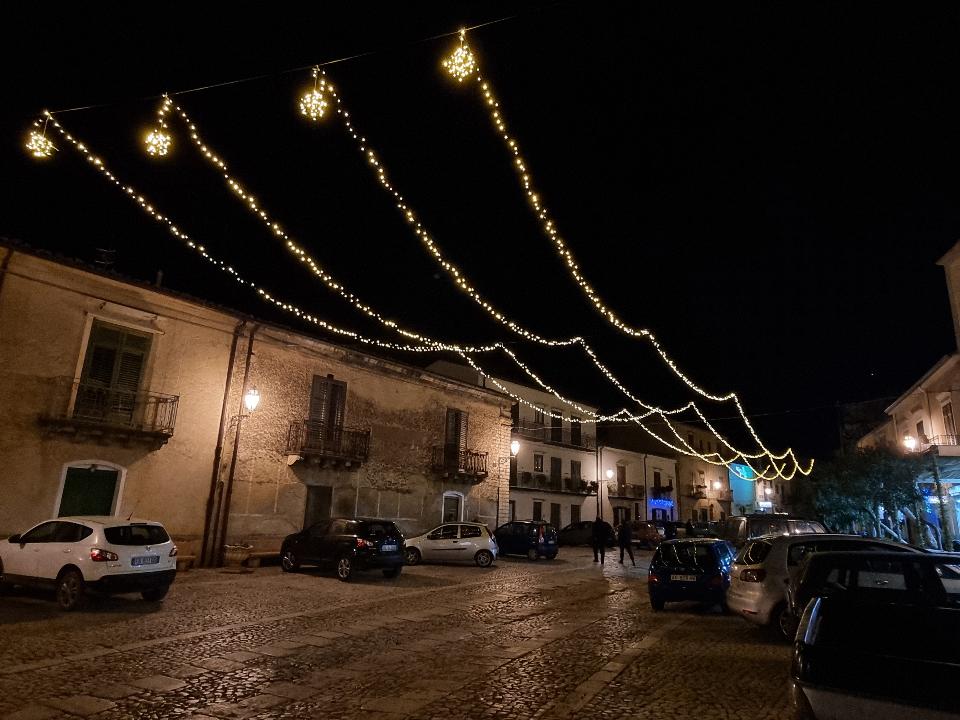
(690, 569)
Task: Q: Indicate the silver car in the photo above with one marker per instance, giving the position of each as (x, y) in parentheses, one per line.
(765, 566)
(453, 542)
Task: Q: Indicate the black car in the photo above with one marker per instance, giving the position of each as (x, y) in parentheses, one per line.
(690, 569)
(533, 538)
(348, 544)
(885, 647)
(581, 533)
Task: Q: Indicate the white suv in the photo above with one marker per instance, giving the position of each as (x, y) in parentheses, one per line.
(107, 554)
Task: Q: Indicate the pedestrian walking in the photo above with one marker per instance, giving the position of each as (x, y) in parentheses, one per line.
(625, 540)
(601, 531)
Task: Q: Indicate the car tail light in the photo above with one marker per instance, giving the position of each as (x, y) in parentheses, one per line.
(540, 533)
(652, 579)
(98, 555)
(363, 543)
(753, 575)
(173, 551)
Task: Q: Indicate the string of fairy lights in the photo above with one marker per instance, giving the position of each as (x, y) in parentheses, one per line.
(314, 105)
(308, 100)
(462, 65)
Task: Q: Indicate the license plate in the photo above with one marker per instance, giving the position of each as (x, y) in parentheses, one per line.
(145, 560)
(388, 548)
(550, 542)
(683, 578)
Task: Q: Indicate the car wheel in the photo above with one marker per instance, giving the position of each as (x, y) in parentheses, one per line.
(155, 594)
(71, 590)
(411, 556)
(289, 562)
(532, 554)
(656, 603)
(392, 572)
(786, 627)
(484, 558)
(551, 556)
(345, 568)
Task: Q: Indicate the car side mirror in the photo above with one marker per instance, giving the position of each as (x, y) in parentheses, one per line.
(14, 538)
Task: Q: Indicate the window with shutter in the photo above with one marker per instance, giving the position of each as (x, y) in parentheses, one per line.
(455, 439)
(325, 415)
(112, 372)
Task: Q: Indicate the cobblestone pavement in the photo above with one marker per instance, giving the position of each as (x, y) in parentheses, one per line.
(550, 639)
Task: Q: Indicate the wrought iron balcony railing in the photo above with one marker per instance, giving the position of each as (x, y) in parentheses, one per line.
(625, 490)
(452, 460)
(571, 435)
(658, 492)
(309, 438)
(92, 409)
(941, 440)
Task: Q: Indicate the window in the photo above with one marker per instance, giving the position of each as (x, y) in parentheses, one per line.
(138, 534)
(656, 478)
(41, 533)
(556, 426)
(325, 412)
(513, 510)
(113, 368)
(555, 514)
(621, 475)
(455, 440)
(575, 430)
(469, 531)
(538, 416)
(921, 436)
(69, 532)
(444, 532)
(690, 439)
(538, 462)
(574, 514)
(538, 510)
(574, 469)
(948, 426)
(555, 468)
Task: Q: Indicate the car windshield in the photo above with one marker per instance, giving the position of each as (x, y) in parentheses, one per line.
(754, 553)
(382, 529)
(136, 535)
(687, 554)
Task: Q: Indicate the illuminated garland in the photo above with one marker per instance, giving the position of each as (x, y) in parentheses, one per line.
(566, 254)
(250, 202)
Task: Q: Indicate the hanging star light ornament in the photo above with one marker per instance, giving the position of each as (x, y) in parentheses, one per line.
(313, 104)
(461, 64)
(158, 143)
(38, 144)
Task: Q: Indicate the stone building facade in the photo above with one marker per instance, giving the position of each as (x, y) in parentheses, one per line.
(124, 399)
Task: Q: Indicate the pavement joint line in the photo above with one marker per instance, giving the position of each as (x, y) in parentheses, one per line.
(580, 696)
(139, 645)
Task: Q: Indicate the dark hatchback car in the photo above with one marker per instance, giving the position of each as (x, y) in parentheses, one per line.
(533, 538)
(581, 533)
(885, 647)
(347, 544)
(690, 569)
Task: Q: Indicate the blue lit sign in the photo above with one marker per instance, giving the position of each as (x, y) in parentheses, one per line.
(661, 504)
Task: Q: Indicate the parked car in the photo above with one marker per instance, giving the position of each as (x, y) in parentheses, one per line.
(705, 529)
(884, 647)
(690, 569)
(765, 567)
(666, 528)
(347, 544)
(103, 554)
(738, 529)
(453, 542)
(581, 533)
(533, 538)
(828, 573)
(646, 534)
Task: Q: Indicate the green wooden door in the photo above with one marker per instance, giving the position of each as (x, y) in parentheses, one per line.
(88, 492)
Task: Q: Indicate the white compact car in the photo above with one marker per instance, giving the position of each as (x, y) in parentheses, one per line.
(106, 554)
(765, 566)
(453, 542)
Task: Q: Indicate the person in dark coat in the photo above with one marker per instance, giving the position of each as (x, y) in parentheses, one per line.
(625, 540)
(689, 528)
(601, 531)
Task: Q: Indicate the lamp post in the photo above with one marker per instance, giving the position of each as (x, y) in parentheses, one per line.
(911, 443)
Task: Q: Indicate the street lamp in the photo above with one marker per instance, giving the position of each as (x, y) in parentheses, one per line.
(251, 399)
(514, 447)
(609, 474)
(910, 442)
(717, 485)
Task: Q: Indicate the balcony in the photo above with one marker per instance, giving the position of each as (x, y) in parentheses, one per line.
(661, 492)
(450, 460)
(724, 495)
(696, 491)
(314, 440)
(569, 435)
(624, 491)
(87, 410)
(948, 445)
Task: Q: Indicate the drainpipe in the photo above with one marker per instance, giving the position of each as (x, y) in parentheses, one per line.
(3, 267)
(646, 497)
(214, 494)
(216, 551)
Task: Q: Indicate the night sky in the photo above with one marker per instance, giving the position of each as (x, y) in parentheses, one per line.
(767, 189)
